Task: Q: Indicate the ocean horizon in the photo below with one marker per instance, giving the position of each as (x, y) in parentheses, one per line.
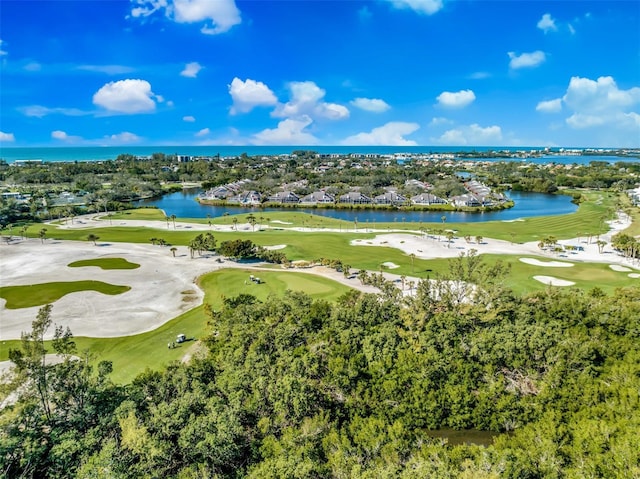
(92, 153)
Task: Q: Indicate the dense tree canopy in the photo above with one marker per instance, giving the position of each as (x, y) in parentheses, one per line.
(293, 387)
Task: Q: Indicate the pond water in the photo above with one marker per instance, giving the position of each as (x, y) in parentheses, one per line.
(465, 436)
(183, 204)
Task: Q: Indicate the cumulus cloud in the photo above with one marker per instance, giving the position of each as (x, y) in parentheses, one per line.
(2, 51)
(470, 135)
(600, 102)
(428, 7)
(391, 134)
(126, 96)
(188, 119)
(33, 67)
(526, 60)
(550, 106)
(106, 69)
(306, 100)
(547, 23)
(7, 137)
(219, 16)
(63, 136)
(124, 137)
(374, 105)
(479, 75)
(289, 132)
(191, 70)
(248, 94)
(458, 99)
(203, 132)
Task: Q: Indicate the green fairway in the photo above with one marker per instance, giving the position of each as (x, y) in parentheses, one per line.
(132, 354)
(105, 263)
(40, 294)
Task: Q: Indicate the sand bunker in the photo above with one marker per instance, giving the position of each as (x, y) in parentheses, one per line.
(634, 275)
(390, 265)
(617, 267)
(550, 264)
(281, 222)
(553, 281)
(275, 247)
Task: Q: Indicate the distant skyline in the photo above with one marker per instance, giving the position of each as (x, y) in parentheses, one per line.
(306, 72)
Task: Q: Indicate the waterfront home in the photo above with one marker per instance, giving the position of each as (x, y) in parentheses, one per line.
(355, 198)
(471, 200)
(427, 199)
(285, 197)
(251, 198)
(318, 198)
(218, 193)
(390, 198)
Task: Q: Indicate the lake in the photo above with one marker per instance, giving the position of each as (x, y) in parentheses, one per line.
(183, 204)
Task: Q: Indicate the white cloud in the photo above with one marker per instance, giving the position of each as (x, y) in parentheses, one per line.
(126, 96)
(547, 23)
(458, 99)
(572, 30)
(601, 103)
(2, 52)
(33, 67)
(392, 134)
(203, 132)
(107, 69)
(63, 136)
(479, 75)
(428, 7)
(305, 100)
(219, 16)
(124, 137)
(191, 70)
(7, 137)
(439, 120)
(248, 94)
(288, 132)
(188, 118)
(40, 111)
(550, 106)
(474, 135)
(526, 60)
(374, 105)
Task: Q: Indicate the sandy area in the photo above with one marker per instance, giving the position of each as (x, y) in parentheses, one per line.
(163, 287)
(550, 264)
(617, 267)
(553, 281)
(276, 247)
(634, 275)
(390, 265)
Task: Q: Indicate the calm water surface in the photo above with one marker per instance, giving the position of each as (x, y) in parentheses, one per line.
(184, 205)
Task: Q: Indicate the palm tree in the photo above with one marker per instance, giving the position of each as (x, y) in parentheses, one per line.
(235, 224)
(443, 218)
(94, 238)
(252, 221)
(450, 236)
(173, 251)
(173, 218)
(345, 270)
(413, 257)
(479, 239)
(42, 234)
(601, 244)
(403, 278)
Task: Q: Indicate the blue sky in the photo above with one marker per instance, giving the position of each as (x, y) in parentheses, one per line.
(305, 72)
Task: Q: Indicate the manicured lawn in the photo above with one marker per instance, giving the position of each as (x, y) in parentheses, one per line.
(131, 355)
(150, 214)
(105, 263)
(40, 294)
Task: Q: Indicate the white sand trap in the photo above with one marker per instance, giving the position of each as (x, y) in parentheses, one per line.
(550, 264)
(281, 222)
(553, 281)
(390, 265)
(634, 275)
(617, 267)
(275, 247)
(512, 221)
